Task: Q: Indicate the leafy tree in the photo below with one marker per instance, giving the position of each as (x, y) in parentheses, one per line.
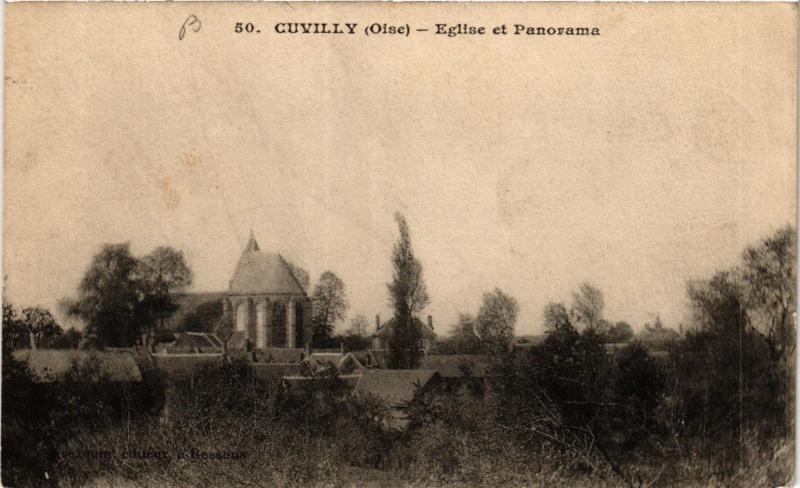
(718, 304)
(496, 320)
(70, 339)
(727, 381)
(462, 339)
(587, 306)
(36, 321)
(330, 303)
(162, 273)
(769, 273)
(121, 296)
(620, 332)
(15, 336)
(358, 326)
(556, 317)
(109, 295)
(639, 384)
(560, 395)
(41, 323)
(408, 296)
(202, 318)
(353, 342)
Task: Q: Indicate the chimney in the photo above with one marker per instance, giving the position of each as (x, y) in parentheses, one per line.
(377, 322)
(32, 339)
(430, 322)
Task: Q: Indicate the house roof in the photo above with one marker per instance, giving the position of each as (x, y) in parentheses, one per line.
(318, 361)
(394, 386)
(343, 363)
(260, 272)
(187, 342)
(455, 366)
(350, 364)
(388, 326)
(53, 364)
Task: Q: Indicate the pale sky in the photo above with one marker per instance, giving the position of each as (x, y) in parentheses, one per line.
(635, 161)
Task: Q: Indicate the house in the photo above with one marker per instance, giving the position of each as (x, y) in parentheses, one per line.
(395, 388)
(47, 365)
(383, 332)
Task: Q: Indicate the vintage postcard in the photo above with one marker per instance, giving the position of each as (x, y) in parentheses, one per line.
(399, 245)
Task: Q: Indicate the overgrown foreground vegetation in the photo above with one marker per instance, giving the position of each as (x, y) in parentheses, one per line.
(567, 413)
(715, 410)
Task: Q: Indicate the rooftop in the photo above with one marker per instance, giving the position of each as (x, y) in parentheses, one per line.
(259, 272)
(394, 386)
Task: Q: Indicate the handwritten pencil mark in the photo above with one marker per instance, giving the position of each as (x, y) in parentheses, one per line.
(191, 21)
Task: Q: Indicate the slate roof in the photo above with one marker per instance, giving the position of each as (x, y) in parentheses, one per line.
(53, 364)
(388, 326)
(453, 366)
(260, 272)
(394, 386)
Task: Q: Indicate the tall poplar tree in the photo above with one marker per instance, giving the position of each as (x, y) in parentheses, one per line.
(408, 296)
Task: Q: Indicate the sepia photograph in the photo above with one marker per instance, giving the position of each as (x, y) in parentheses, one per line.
(391, 245)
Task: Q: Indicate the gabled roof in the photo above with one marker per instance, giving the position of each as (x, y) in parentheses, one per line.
(325, 361)
(455, 366)
(197, 342)
(387, 328)
(259, 272)
(394, 386)
(54, 364)
(319, 361)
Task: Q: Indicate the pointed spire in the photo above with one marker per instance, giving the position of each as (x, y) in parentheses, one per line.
(252, 245)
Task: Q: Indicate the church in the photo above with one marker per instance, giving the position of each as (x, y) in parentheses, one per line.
(265, 306)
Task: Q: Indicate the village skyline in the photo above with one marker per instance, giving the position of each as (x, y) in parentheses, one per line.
(530, 316)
